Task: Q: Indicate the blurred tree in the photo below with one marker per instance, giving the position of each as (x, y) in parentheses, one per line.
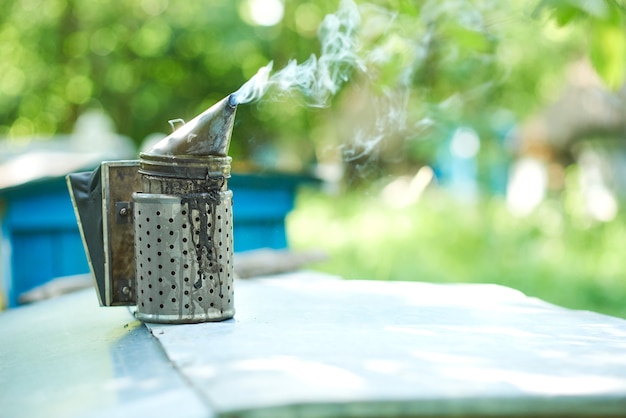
(426, 64)
(603, 20)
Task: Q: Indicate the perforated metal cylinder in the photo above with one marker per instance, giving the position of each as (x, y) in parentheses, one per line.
(183, 252)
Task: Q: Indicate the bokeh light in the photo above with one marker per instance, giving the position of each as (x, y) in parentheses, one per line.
(263, 12)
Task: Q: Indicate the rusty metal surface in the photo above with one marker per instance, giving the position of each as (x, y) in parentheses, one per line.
(120, 179)
(183, 186)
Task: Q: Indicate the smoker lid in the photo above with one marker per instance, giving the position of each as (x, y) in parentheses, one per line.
(208, 134)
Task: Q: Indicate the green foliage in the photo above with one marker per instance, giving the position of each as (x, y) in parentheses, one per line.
(451, 62)
(552, 254)
(147, 61)
(604, 21)
(144, 62)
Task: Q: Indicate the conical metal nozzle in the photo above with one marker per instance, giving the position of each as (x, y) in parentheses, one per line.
(208, 134)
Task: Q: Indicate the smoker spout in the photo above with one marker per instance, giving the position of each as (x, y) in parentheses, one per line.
(207, 134)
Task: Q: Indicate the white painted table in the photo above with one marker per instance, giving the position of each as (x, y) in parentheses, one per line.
(311, 345)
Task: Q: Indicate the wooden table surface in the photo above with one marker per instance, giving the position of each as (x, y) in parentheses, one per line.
(312, 345)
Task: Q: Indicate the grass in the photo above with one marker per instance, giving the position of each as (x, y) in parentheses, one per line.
(555, 254)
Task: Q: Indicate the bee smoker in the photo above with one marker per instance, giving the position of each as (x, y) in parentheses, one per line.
(158, 232)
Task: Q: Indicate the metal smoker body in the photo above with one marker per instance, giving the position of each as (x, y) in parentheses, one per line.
(158, 232)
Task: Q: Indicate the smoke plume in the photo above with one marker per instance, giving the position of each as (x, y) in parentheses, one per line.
(317, 78)
(365, 44)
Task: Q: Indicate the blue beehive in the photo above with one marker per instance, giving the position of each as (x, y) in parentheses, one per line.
(40, 234)
(42, 240)
(261, 202)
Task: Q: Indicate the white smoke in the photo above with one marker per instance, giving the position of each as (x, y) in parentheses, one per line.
(318, 79)
(254, 88)
(342, 56)
(389, 117)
